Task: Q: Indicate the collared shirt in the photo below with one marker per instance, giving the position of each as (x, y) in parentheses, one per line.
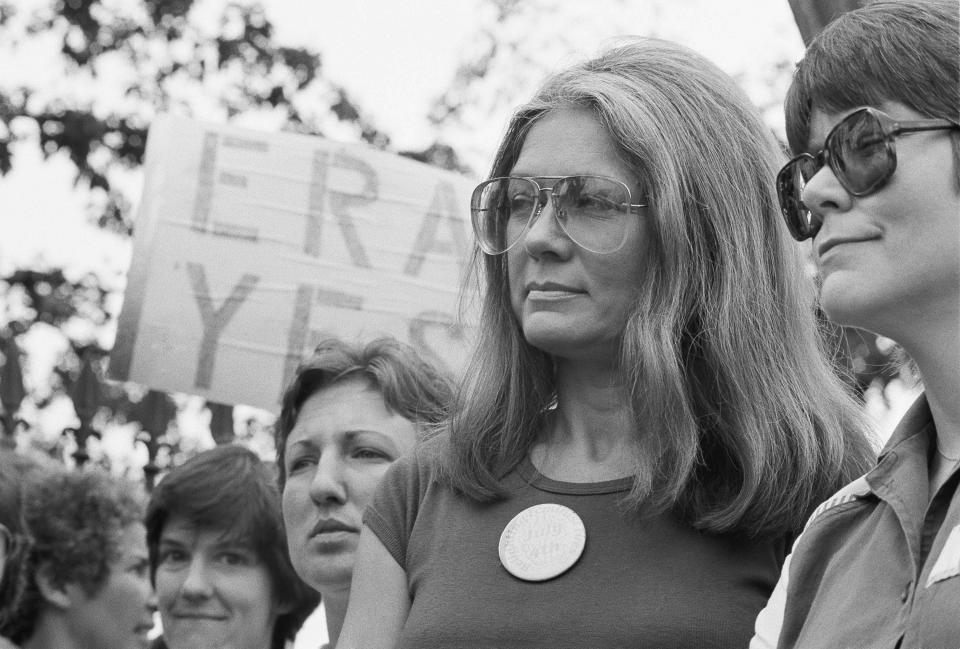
(878, 565)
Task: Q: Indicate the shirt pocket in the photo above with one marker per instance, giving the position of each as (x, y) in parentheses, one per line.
(948, 562)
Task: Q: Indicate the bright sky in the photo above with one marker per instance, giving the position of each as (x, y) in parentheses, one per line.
(396, 57)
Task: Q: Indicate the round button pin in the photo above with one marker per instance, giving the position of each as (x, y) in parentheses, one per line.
(542, 542)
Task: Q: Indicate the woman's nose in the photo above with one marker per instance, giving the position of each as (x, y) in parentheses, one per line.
(197, 585)
(545, 236)
(823, 194)
(152, 603)
(327, 486)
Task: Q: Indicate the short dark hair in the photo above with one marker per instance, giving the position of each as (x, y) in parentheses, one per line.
(907, 51)
(16, 470)
(71, 525)
(229, 489)
(411, 387)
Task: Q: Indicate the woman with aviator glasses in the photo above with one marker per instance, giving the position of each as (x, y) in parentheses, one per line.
(647, 418)
(878, 565)
(594, 211)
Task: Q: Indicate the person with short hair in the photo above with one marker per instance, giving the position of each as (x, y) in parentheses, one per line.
(16, 470)
(349, 413)
(873, 115)
(648, 416)
(218, 555)
(82, 575)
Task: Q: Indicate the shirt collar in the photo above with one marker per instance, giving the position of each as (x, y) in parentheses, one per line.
(914, 422)
(900, 476)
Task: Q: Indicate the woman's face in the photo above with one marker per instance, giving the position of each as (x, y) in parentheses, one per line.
(213, 591)
(570, 302)
(120, 614)
(889, 256)
(341, 445)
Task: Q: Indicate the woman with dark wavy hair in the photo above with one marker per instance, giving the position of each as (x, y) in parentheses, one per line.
(79, 577)
(648, 416)
(218, 555)
(349, 413)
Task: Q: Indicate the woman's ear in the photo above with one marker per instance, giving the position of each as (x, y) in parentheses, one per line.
(284, 605)
(55, 594)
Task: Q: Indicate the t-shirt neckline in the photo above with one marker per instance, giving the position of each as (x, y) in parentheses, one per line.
(535, 479)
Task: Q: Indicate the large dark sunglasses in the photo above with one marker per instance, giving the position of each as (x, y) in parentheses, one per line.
(861, 153)
(594, 211)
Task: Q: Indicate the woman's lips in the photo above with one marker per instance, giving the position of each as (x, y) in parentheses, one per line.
(331, 526)
(188, 615)
(547, 291)
(833, 242)
(549, 295)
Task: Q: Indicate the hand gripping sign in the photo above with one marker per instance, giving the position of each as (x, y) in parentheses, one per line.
(249, 247)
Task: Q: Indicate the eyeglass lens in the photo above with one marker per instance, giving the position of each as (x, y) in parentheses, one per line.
(858, 151)
(859, 155)
(591, 210)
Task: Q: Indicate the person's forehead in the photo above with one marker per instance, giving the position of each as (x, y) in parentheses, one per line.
(341, 412)
(566, 142)
(346, 402)
(180, 529)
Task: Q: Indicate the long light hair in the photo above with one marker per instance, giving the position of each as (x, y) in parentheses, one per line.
(741, 424)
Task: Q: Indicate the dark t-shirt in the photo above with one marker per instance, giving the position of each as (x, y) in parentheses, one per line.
(642, 581)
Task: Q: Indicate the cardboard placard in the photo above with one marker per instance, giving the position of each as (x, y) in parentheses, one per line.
(250, 246)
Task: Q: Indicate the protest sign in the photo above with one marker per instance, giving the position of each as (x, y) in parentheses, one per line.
(249, 247)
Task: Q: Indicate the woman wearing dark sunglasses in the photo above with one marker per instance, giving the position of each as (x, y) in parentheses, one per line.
(647, 418)
(875, 101)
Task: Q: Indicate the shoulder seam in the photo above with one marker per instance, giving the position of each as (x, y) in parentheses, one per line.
(853, 491)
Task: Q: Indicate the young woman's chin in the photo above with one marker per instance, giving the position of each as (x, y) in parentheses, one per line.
(854, 299)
